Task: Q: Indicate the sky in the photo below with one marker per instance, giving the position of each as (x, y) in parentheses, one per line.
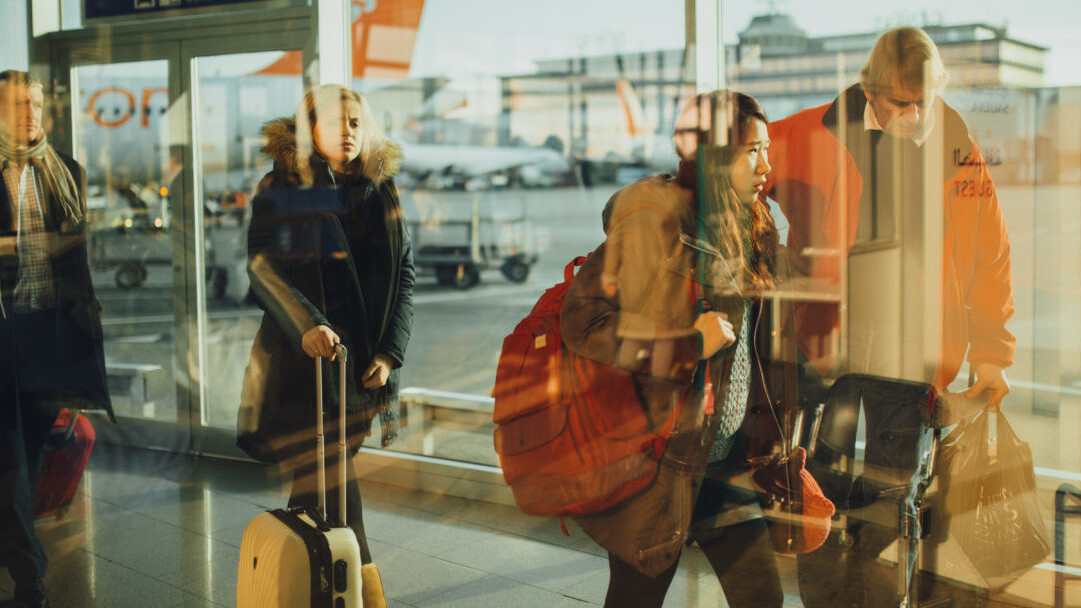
(489, 37)
(505, 36)
(460, 38)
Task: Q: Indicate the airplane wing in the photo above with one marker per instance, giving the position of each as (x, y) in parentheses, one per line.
(476, 160)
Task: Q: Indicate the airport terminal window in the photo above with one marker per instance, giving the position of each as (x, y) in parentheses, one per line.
(513, 141)
(1014, 84)
(516, 125)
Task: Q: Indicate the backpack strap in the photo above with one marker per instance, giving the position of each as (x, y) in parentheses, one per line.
(660, 438)
(568, 270)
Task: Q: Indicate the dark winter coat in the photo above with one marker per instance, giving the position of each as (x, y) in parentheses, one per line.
(336, 254)
(78, 372)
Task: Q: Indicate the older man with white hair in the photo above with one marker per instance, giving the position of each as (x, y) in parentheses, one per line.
(888, 176)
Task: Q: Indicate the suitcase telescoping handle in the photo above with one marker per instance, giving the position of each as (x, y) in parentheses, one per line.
(320, 452)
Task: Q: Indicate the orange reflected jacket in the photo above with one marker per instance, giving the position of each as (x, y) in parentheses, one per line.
(815, 179)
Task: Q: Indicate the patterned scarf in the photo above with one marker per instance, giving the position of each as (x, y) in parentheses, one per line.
(59, 184)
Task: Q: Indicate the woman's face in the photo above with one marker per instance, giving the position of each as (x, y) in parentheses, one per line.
(338, 133)
(750, 162)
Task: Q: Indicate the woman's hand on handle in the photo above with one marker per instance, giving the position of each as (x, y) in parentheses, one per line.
(717, 332)
(319, 341)
(378, 371)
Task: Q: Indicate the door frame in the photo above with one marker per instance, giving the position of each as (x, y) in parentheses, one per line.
(179, 42)
(209, 439)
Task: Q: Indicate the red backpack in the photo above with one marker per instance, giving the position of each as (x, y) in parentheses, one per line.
(571, 433)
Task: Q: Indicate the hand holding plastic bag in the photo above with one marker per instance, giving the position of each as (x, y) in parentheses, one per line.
(989, 502)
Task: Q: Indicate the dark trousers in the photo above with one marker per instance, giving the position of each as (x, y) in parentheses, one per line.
(28, 371)
(22, 445)
(304, 493)
(741, 556)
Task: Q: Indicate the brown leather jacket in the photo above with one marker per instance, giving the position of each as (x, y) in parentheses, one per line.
(647, 327)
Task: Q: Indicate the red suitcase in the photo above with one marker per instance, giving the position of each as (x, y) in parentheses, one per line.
(66, 453)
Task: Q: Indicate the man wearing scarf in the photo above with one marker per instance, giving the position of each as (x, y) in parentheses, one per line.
(51, 352)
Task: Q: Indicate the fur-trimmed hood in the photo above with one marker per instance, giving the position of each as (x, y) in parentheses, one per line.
(280, 144)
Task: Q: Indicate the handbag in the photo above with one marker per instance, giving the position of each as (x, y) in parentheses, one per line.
(988, 497)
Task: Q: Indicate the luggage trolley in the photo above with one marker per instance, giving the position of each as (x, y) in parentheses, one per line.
(459, 237)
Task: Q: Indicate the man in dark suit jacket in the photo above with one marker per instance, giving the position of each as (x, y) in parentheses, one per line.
(51, 353)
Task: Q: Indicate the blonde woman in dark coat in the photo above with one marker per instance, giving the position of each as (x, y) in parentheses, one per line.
(330, 262)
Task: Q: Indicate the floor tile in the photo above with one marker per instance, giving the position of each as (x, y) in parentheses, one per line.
(422, 532)
(499, 591)
(158, 549)
(530, 561)
(214, 581)
(411, 577)
(88, 581)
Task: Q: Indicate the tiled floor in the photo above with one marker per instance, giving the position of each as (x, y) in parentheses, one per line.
(161, 530)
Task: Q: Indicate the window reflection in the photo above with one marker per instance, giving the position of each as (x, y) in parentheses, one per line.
(517, 126)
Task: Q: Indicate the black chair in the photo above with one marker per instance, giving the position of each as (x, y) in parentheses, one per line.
(1064, 492)
(894, 466)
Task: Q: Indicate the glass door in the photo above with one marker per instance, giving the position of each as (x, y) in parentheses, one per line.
(127, 119)
(122, 130)
(234, 94)
(170, 135)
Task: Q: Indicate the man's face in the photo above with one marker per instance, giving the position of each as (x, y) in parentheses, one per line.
(21, 109)
(902, 111)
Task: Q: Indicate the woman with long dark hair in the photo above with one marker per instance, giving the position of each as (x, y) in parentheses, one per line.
(671, 297)
(330, 262)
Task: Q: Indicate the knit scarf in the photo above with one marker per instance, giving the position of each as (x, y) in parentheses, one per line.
(59, 184)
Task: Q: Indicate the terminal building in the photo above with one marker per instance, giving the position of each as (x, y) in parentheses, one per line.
(774, 60)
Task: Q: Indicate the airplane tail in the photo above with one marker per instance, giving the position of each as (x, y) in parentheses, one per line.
(632, 108)
(384, 35)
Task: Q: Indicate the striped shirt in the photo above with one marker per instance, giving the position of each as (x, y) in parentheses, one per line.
(34, 288)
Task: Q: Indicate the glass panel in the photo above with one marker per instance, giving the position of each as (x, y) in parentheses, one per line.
(122, 138)
(13, 43)
(513, 142)
(235, 98)
(997, 86)
(977, 277)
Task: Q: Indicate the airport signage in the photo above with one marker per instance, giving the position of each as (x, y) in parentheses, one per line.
(95, 10)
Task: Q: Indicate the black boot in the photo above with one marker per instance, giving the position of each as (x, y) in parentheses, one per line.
(30, 594)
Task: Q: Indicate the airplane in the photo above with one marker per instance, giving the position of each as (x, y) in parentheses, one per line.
(481, 167)
(650, 150)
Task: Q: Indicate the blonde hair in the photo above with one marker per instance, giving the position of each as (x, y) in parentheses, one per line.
(318, 100)
(907, 55)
